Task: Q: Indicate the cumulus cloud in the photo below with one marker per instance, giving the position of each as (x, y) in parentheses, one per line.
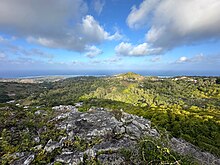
(138, 16)
(55, 24)
(208, 62)
(98, 6)
(39, 17)
(182, 59)
(176, 23)
(92, 31)
(127, 49)
(195, 59)
(93, 51)
(88, 32)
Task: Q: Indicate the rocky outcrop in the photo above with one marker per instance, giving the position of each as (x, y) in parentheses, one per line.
(63, 108)
(185, 148)
(102, 123)
(105, 131)
(101, 134)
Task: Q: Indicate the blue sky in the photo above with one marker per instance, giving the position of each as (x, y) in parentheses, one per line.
(154, 35)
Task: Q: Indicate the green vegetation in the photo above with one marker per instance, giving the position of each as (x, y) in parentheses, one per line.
(154, 151)
(130, 76)
(19, 127)
(15, 91)
(67, 91)
(187, 107)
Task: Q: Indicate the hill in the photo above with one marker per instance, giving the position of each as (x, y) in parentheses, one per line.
(130, 76)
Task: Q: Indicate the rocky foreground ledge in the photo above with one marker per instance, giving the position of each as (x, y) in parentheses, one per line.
(102, 135)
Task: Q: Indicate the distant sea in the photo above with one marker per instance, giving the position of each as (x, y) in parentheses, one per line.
(68, 73)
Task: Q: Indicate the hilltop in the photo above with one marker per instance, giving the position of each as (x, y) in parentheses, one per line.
(130, 76)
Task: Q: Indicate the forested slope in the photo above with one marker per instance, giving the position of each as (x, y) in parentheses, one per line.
(186, 107)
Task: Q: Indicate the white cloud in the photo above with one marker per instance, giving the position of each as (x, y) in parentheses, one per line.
(93, 51)
(92, 31)
(43, 41)
(138, 17)
(88, 32)
(195, 59)
(116, 36)
(55, 24)
(39, 17)
(127, 49)
(182, 59)
(175, 23)
(98, 6)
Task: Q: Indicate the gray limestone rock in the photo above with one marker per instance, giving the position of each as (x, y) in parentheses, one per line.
(113, 159)
(29, 159)
(90, 153)
(113, 134)
(37, 139)
(62, 108)
(70, 158)
(185, 148)
(51, 145)
(38, 147)
(40, 112)
(100, 134)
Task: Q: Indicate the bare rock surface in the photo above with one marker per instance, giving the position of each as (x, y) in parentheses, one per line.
(185, 148)
(107, 131)
(101, 134)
